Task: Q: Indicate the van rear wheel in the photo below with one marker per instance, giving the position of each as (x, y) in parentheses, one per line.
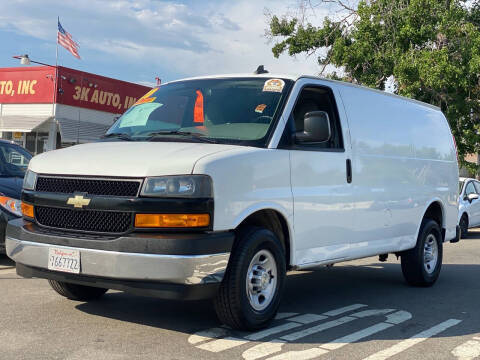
(77, 292)
(251, 290)
(421, 265)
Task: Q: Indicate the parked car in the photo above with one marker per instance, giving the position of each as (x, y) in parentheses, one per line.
(13, 164)
(217, 186)
(468, 205)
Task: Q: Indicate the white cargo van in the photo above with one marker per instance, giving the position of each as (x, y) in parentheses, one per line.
(218, 186)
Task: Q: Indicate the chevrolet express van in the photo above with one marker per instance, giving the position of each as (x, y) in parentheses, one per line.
(218, 186)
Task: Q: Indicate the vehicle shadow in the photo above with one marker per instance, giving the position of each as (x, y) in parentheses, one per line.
(5, 261)
(376, 285)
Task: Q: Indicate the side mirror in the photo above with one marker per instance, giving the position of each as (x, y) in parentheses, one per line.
(471, 197)
(316, 128)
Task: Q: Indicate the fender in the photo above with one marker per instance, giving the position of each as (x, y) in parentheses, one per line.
(267, 205)
(433, 200)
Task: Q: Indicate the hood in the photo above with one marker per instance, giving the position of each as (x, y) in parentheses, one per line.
(11, 187)
(127, 159)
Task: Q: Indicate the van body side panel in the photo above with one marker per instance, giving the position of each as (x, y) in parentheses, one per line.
(403, 159)
(436, 155)
(246, 180)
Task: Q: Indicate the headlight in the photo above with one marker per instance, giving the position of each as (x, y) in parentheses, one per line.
(29, 180)
(192, 186)
(13, 206)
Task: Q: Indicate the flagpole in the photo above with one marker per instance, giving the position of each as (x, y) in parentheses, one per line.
(56, 52)
(55, 92)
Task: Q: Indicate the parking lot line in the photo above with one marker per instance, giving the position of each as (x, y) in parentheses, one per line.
(469, 350)
(415, 339)
(213, 333)
(222, 344)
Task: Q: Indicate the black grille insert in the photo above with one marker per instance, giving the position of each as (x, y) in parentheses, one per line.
(70, 185)
(84, 220)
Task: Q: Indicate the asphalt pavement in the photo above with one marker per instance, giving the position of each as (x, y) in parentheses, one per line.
(356, 310)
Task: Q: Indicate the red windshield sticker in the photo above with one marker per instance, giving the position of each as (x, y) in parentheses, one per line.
(274, 85)
(198, 108)
(260, 108)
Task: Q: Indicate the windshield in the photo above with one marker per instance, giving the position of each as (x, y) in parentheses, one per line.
(235, 111)
(460, 187)
(13, 160)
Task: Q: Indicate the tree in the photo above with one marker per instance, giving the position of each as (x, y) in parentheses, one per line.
(430, 47)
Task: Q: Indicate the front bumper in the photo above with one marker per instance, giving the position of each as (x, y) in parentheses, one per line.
(134, 260)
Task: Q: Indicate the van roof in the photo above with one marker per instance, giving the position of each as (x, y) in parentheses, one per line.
(297, 77)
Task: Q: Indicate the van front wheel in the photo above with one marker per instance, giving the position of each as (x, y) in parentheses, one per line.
(421, 265)
(251, 290)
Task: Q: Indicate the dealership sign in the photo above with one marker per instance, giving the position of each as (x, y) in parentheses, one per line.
(27, 85)
(74, 88)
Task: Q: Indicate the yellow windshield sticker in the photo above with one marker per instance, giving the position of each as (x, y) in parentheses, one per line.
(274, 85)
(147, 97)
(144, 101)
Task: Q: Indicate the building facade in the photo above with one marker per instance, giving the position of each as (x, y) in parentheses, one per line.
(47, 107)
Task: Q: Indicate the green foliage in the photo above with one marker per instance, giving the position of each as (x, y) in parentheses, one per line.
(431, 47)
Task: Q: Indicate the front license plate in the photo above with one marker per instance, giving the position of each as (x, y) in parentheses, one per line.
(65, 260)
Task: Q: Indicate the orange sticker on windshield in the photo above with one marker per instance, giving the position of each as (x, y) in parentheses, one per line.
(274, 85)
(144, 101)
(147, 97)
(260, 108)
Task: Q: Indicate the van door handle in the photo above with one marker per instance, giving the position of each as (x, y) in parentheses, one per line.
(349, 171)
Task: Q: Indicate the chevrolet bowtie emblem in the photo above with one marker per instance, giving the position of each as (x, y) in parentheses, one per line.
(78, 201)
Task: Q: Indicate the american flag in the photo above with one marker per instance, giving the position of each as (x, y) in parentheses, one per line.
(66, 40)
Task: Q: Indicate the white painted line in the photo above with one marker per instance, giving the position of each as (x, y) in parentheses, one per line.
(398, 317)
(273, 330)
(210, 334)
(307, 318)
(340, 342)
(222, 344)
(344, 310)
(316, 329)
(8, 271)
(284, 315)
(300, 355)
(373, 312)
(467, 351)
(415, 339)
(324, 326)
(262, 350)
(269, 349)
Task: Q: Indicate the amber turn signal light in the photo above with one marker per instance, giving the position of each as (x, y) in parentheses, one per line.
(171, 220)
(27, 210)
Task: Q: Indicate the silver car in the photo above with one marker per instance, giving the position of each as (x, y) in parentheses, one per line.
(468, 204)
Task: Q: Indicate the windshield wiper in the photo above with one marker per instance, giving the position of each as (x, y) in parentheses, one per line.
(121, 136)
(194, 135)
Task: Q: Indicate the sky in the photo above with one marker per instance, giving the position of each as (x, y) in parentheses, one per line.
(138, 40)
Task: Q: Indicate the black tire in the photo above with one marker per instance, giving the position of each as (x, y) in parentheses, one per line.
(77, 292)
(232, 304)
(464, 226)
(413, 267)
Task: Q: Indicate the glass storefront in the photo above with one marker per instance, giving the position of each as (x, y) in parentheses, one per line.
(34, 142)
